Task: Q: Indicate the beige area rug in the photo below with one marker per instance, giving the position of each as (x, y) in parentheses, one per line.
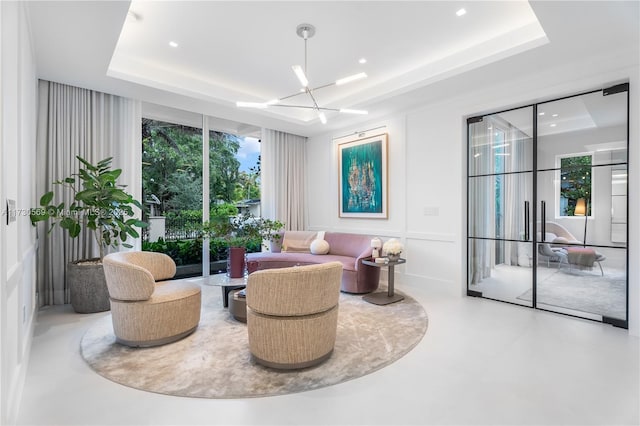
(214, 361)
(585, 291)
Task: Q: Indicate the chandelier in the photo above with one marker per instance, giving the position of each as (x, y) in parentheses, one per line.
(306, 31)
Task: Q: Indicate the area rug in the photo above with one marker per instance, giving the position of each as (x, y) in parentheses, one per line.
(585, 291)
(214, 361)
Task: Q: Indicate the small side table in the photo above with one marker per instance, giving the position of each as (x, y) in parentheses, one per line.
(381, 298)
(237, 306)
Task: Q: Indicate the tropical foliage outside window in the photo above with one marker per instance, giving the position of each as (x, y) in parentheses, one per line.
(575, 183)
(172, 184)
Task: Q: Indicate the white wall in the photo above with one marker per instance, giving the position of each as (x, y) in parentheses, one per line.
(427, 174)
(17, 245)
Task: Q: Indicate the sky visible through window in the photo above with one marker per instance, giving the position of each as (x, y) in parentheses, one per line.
(248, 153)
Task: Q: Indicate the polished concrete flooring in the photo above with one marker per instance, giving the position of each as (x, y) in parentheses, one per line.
(480, 362)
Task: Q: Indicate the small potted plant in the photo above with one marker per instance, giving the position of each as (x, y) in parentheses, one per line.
(104, 209)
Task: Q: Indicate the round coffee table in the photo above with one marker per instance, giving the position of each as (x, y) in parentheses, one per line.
(227, 284)
(238, 306)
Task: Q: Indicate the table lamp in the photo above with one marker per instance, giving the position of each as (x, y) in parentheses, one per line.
(376, 244)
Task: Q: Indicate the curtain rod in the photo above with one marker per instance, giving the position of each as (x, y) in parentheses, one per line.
(360, 132)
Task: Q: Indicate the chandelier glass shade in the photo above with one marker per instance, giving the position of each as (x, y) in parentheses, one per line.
(306, 31)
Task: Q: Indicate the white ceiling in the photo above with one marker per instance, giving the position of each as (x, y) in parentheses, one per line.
(232, 51)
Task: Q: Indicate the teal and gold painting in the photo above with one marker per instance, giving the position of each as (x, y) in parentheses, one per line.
(363, 177)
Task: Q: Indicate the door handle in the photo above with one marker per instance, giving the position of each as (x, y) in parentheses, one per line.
(543, 220)
(526, 221)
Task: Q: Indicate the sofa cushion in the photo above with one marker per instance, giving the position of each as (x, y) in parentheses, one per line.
(353, 245)
(298, 241)
(319, 247)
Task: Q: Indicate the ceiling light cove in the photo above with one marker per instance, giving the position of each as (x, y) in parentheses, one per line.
(351, 78)
(354, 111)
(260, 105)
(306, 31)
(242, 59)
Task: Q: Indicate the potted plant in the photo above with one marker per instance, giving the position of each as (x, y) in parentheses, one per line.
(239, 233)
(104, 209)
(272, 232)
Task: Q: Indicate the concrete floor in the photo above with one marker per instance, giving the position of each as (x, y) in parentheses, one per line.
(480, 362)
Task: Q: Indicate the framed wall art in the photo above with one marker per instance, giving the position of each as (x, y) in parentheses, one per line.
(362, 165)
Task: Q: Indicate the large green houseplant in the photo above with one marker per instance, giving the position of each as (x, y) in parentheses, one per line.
(104, 209)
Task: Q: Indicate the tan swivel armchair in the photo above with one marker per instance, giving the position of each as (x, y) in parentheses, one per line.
(292, 314)
(146, 310)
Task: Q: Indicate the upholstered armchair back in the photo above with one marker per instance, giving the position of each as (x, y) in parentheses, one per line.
(292, 314)
(132, 276)
(299, 290)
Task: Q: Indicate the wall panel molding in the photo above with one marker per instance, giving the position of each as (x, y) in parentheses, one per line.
(432, 236)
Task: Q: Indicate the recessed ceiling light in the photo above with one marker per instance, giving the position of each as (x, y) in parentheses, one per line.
(541, 113)
(132, 16)
(173, 44)
(554, 115)
(461, 12)
(552, 125)
(362, 60)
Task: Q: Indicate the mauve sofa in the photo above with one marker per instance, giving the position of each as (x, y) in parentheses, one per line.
(348, 249)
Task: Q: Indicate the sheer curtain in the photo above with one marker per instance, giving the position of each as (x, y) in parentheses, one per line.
(74, 121)
(283, 180)
(482, 203)
(516, 192)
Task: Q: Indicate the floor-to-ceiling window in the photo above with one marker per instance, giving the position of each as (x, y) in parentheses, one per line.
(177, 158)
(547, 205)
(172, 192)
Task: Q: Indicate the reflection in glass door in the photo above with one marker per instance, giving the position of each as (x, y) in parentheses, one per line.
(500, 200)
(582, 163)
(547, 206)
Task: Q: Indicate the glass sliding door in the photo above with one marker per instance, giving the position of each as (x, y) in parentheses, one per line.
(581, 188)
(234, 187)
(172, 192)
(547, 205)
(500, 189)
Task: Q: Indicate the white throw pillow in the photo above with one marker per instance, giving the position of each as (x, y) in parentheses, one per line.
(319, 247)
